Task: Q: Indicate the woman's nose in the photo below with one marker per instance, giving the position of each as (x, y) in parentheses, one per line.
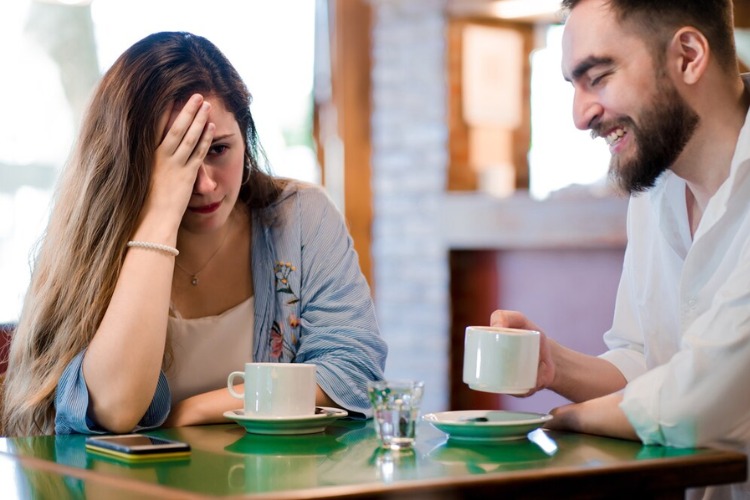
(204, 182)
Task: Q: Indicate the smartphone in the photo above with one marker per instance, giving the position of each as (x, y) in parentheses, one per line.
(138, 447)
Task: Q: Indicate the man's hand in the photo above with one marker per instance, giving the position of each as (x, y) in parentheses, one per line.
(546, 369)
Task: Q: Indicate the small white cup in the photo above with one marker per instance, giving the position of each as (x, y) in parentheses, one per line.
(501, 360)
(276, 389)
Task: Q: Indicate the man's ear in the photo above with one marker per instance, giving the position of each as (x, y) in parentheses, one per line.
(688, 54)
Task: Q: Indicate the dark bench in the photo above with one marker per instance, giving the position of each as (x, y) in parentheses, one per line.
(5, 331)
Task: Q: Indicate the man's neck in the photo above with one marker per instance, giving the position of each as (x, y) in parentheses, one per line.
(694, 211)
(706, 161)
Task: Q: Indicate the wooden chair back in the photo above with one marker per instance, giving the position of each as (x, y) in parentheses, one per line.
(2, 382)
(6, 329)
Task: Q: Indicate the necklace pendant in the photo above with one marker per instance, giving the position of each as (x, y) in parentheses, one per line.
(194, 281)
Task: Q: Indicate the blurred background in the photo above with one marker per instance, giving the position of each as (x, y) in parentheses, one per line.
(441, 128)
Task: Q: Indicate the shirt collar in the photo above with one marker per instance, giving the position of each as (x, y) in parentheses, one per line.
(669, 191)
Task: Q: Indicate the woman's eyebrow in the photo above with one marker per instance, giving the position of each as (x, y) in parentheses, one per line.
(222, 137)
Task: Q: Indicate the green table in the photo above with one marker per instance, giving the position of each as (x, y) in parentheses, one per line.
(345, 461)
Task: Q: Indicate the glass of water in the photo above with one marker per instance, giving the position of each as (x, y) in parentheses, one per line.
(395, 406)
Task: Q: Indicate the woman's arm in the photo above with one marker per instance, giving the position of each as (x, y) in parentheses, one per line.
(339, 330)
(209, 407)
(122, 364)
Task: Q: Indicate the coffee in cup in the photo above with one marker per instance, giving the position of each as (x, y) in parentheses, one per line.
(501, 360)
(276, 389)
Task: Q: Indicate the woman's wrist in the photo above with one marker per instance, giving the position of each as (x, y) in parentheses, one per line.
(157, 228)
(200, 409)
(177, 415)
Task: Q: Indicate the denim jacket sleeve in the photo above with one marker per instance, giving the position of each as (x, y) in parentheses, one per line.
(72, 403)
(322, 308)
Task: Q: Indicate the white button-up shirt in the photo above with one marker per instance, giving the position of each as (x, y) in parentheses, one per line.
(681, 331)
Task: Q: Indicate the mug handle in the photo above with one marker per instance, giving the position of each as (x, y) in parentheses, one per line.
(230, 384)
(230, 477)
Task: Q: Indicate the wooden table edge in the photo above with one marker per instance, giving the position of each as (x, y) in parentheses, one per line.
(729, 466)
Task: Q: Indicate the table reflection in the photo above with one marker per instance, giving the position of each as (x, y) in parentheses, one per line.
(395, 465)
(225, 460)
(481, 458)
(270, 463)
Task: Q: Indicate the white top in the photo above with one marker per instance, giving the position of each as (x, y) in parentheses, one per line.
(207, 349)
(681, 330)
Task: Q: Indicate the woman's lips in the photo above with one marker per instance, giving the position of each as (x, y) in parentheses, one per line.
(206, 209)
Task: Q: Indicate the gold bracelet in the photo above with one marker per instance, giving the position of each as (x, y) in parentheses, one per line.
(154, 246)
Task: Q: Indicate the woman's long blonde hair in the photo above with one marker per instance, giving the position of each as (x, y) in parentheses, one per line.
(97, 206)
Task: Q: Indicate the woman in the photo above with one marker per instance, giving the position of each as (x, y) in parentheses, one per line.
(170, 259)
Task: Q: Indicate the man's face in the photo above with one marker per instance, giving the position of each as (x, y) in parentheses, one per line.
(661, 130)
(623, 95)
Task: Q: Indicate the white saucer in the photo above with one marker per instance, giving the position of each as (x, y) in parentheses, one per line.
(486, 425)
(305, 424)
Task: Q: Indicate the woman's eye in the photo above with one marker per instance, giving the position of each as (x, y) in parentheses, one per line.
(217, 149)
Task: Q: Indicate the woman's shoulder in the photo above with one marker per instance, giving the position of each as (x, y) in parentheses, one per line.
(298, 203)
(306, 192)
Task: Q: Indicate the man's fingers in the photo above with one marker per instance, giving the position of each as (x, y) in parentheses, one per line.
(508, 319)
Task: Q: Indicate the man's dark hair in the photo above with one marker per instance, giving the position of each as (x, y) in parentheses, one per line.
(659, 19)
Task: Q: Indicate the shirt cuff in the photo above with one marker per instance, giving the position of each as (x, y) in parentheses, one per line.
(631, 363)
(639, 400)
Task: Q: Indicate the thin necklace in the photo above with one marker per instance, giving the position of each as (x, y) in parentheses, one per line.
(194, 276)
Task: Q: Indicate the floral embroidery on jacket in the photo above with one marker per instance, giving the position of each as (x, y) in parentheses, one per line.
(282, 271)
(277, 340)
(293, 320)
(282, 348)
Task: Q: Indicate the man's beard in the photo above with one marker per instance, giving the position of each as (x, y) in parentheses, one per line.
(665, 128)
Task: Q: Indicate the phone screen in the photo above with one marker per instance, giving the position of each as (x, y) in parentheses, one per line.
(136, 444)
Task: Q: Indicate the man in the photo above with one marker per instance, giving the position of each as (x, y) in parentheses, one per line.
(659, 81)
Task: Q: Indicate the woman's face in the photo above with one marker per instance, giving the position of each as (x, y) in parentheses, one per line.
(219, 178)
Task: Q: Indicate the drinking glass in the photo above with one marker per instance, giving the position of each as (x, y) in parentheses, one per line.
(395, 406)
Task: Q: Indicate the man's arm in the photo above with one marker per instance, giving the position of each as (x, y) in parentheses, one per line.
(581, 377)
(601, 416)
(571, 374)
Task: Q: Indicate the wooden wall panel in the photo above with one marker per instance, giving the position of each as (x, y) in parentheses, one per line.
(349, 112)
(742, 13)
(474, 296)
(352, 87)
(461, 175)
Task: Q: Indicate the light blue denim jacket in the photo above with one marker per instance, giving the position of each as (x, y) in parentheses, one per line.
(312, 305)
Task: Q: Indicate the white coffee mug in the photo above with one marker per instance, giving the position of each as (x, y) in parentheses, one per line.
(276, 389)
(501, 360)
